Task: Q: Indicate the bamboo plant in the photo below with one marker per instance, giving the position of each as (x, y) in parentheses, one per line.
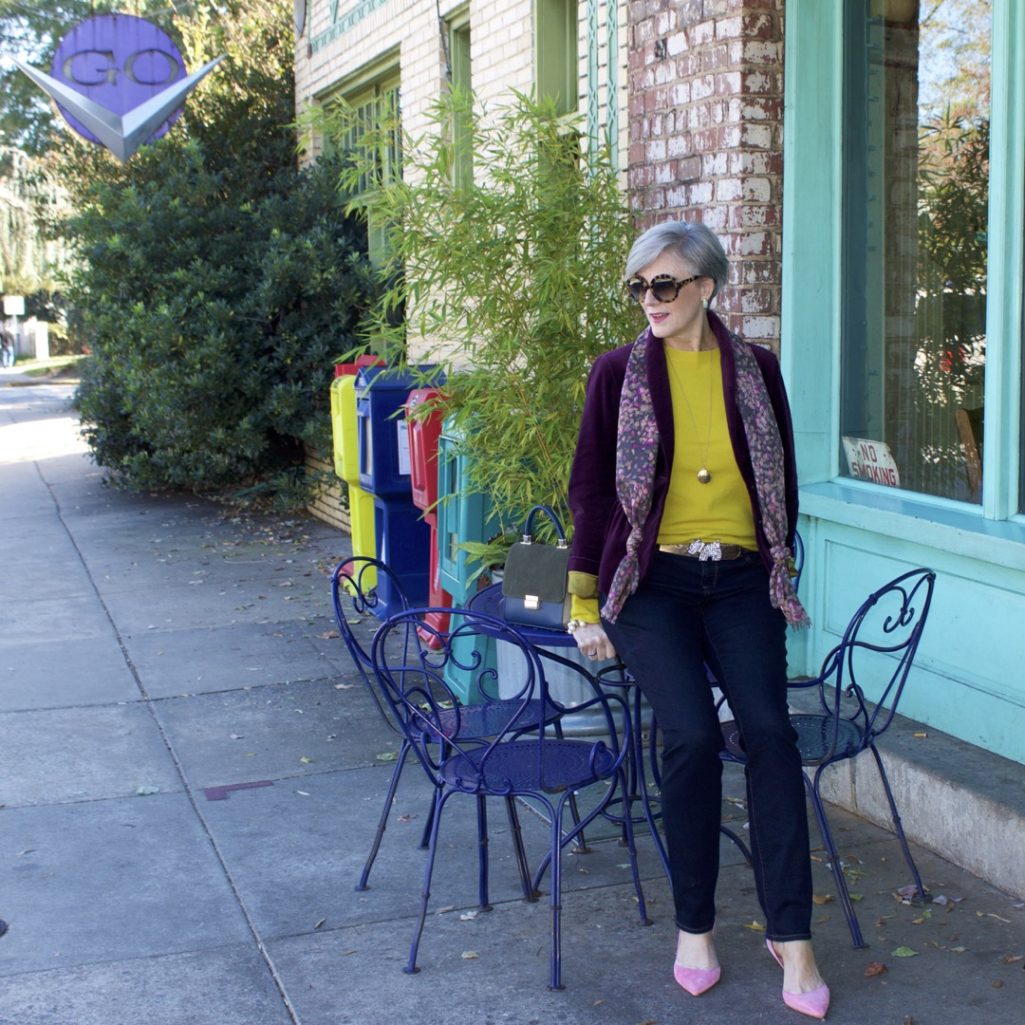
(510, 280)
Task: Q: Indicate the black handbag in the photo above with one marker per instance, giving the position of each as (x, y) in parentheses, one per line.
(535, 588)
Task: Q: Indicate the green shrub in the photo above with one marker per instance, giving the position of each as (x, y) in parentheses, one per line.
(215, 283)
(214, 324)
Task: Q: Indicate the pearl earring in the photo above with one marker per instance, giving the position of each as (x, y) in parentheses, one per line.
(704, 303)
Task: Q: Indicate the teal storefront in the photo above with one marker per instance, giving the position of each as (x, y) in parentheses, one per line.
(902, 338)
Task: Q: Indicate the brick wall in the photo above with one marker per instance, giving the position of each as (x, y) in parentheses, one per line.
(706, 138)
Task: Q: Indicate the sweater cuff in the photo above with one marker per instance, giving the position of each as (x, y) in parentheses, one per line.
(582, 585)
(584, 609)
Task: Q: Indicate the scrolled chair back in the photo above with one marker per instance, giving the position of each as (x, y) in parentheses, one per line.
(356, 601)
(880, 643)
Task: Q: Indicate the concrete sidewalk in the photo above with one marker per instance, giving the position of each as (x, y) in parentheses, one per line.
(189, 781)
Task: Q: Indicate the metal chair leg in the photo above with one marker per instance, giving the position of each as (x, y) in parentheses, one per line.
(741, 846)
(645, 797)
(529, 893)
(425, 893)
(898, 825)
(834, 860)
(556, 898)
(382, 822)
(482, 853)
(631, 846)
(581, 841)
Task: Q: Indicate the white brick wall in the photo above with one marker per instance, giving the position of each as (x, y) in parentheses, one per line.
(501, 54)
(501, 40)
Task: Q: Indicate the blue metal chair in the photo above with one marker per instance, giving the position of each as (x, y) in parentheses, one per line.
(513, 755)
(879, 645)
(356, 578)
(354, 582)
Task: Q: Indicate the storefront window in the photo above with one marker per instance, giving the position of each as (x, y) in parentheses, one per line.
(916, 192)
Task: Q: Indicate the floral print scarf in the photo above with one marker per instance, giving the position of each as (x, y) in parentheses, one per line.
(636, 451)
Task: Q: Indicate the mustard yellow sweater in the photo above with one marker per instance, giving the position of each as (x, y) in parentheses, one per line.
(717, 511)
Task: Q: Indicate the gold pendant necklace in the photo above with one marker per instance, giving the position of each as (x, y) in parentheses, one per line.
(703, 475)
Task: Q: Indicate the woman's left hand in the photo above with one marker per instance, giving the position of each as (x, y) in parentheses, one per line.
(593, 641)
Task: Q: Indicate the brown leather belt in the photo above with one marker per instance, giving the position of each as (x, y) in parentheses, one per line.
(706, 551)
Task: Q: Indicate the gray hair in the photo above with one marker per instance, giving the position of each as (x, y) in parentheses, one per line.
(691, 241)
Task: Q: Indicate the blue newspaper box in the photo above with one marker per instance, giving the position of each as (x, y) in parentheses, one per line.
(403, 537)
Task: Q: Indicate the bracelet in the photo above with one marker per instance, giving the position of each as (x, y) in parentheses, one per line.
(575, 624)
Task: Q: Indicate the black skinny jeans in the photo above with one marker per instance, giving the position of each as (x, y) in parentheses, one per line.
(684, 614)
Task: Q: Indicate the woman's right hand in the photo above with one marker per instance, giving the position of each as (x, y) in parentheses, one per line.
(594, 642)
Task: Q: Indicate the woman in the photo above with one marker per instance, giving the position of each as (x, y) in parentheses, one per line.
(684, 498)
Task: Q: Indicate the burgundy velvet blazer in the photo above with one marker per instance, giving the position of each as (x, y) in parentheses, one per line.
(600, 525)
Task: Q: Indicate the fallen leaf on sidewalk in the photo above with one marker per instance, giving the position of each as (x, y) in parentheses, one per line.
(1012, 958)
(386, 756)
(997, 983)
(989, 914)
(906, 894)
(920, 735)
(822, 898)
(875, 968)
(468, 916)
(145, 790)
(306, 760)
(755, 926)
(319, 923)
(470, 955)
(904, 952)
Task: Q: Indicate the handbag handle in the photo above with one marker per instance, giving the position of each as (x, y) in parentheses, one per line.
(528, 527)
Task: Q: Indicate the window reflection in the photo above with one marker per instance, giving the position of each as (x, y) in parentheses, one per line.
(915, 236)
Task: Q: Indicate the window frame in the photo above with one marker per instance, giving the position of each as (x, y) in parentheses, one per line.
(459, 39)
(557, 53)
(812, 313)
(374, 83)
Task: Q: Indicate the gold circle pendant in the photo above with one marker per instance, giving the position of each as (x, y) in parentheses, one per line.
(704, 476)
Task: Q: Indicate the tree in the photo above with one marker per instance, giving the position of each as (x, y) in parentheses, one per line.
(955, 57)
(216, 282)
